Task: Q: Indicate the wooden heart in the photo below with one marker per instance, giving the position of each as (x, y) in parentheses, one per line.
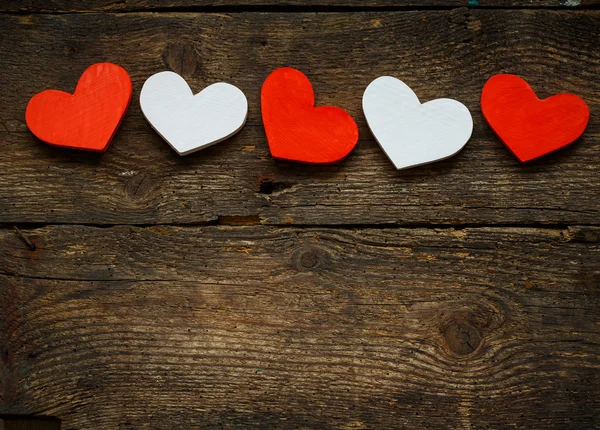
(297, 130)
(191, 122)
(411, 133)
(528, 126)
(87, 119)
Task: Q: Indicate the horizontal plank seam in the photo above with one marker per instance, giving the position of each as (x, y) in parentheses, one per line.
(290, 9)
(194, 284)
(81, 279)
(24, 226)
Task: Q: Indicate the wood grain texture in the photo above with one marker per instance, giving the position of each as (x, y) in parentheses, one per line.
(29, 423)
(165, 5)
(256, 327)
(438, 53)
(266, 326)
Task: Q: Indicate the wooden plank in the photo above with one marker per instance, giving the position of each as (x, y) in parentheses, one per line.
(163, 5)
(140, 180)
(28, 423)
(263, 327)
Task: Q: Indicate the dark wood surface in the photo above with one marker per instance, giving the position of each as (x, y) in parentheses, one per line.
(29, 423)
(227, 290)
(293, 5)
(169, 327)
(140, 180)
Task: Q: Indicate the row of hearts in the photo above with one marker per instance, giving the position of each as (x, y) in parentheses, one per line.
(410, 133)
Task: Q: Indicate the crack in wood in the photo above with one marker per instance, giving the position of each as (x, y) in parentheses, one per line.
(311, 8)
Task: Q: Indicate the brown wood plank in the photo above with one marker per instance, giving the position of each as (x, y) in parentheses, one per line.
(439, 53)
(28, 423)
(163, 5)
(258, 327)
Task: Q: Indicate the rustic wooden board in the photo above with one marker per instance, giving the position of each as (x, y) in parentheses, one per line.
(438, 53)
(29, 423)
(191, 5)
(112, 325)
(263, 327)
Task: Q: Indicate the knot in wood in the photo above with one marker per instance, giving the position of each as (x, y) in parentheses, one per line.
(181, 58)
(307, 258)
(462, 338)
(139, 186)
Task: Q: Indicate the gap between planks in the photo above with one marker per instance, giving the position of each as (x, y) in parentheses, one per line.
(249, 221)
(292, 9)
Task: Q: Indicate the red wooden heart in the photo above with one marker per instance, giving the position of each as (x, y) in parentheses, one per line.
(296, 129)
(87, 119)
(528, 126)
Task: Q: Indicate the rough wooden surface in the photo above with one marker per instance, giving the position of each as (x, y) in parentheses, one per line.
(140, 180)
(262, 327)
(29, 423)
(294, 5)
(323, 296)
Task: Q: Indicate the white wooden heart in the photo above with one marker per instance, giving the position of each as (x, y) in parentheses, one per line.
(410, 133)
(191, 122)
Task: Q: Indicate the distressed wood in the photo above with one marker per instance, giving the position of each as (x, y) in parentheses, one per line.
(29, 423)
(165, 5)
(438, 53)
(256, 327)
(188, 327)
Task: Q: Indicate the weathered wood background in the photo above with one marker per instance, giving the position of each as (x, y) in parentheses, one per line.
(227, 290)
